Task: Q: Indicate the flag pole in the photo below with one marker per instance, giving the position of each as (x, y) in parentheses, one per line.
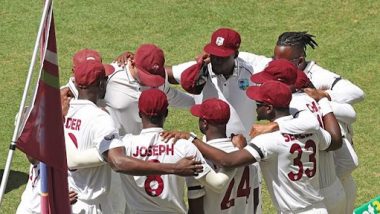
(12, 146)
(44, 189)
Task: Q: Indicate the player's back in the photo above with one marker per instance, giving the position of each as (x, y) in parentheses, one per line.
(86, 126)
(155, 193)
(290, 169)
(303, 102)
(238, 195)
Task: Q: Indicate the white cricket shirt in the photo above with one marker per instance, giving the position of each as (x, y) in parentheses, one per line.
(340, 90)
(86, 126)
(237, 196)
(122, 96)
(232, 91)
(289, 164)
(157, 193)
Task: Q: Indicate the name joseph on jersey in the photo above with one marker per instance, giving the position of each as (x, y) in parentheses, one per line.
(143, 151)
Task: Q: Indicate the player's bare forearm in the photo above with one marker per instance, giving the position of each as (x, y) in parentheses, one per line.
(219, 157)
(332, 126)
(133, 166)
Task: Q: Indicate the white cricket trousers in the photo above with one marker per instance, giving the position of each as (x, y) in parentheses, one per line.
(99, 206)
(318, 208)
(334, 197)
(350, 190)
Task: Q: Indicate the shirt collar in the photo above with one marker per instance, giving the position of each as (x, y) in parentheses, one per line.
(285, 118)
(218, 140)
(152, 130)
(129, 75)
(81, 102)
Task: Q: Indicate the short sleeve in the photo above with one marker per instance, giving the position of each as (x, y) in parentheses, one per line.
(260, 147)
(188, 149)
(110, 141)
(194, 188)
(105, 135)
(178, 69)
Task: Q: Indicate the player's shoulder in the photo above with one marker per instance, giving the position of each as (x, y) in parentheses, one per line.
(252, 57)
(317, 69)
(118, 73)
(184, 147)
(267, 138)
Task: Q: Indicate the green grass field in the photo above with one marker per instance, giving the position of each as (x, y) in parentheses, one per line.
(347, 33)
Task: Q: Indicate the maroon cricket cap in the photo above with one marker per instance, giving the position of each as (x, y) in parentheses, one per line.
(153, 102)
(280, 70)
(224, 42)
(302, 80)
(214, 110)
(189, 78)
(149, 60)
(88, 73)
(274, 93)
(86, 55)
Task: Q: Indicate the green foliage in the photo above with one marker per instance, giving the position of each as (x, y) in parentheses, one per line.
(347, 33)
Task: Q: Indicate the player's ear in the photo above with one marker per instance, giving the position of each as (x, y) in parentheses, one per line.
(270, 109)
(300, 61)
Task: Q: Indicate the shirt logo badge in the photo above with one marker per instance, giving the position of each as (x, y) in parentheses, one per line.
(109, 137)
(219, 41)
(243, 84)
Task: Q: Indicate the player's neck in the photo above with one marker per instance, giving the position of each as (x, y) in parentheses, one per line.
(88, 96)
(215, 135)
(280, 113)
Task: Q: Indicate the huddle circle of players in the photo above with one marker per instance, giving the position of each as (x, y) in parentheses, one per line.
(121, 160)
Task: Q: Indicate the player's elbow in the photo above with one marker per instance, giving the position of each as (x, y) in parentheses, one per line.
(336, 143)
(116, 164)
(358, 95)
(355, 95)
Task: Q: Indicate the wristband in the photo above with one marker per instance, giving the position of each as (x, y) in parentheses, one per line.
(192, 136)
(325, 106)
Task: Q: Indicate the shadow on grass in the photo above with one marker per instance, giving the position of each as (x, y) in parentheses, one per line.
(15, 179)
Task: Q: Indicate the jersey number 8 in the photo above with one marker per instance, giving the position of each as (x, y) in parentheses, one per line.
(154, 185)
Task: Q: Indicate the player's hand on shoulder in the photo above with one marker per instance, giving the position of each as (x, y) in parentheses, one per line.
(316, 94)
(73, 197)
(175, 135)
(188, 166)
(238, 140)
(66, 96)
(122, 60)
(258, 129)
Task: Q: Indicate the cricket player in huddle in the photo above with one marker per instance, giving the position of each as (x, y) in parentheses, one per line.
(331, 187)
(238, 195)
(292, 46)
(155, 193)
(342, 94)
(288, 162)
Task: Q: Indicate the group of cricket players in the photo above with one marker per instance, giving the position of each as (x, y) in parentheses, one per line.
(121, 159)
